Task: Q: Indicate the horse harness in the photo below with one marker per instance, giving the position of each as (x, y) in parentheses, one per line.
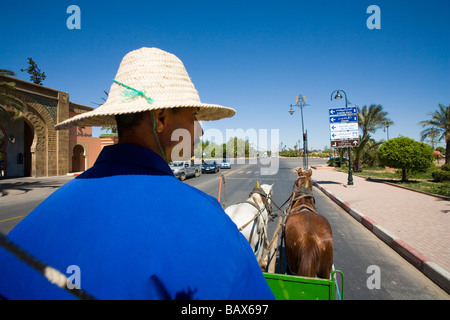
(266, 198)
(297, 196)
(263, 239)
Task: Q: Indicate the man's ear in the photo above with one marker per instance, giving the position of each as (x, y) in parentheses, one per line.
(161, 118)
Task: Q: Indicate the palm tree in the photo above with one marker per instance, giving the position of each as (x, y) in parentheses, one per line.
(7, 100)
(107, 128)
(440, 121)
(370, 119)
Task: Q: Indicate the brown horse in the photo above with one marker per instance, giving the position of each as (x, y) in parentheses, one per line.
(308, 236)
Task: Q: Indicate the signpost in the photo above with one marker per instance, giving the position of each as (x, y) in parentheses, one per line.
(344, 127)
(344, 131)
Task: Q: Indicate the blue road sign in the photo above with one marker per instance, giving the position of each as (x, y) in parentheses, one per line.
(338, 135)
(344, 126)
(342, 111)
(349, 118)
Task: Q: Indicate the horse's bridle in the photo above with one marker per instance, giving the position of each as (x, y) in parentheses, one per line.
(266, 198)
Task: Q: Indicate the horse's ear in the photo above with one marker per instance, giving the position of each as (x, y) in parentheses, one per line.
(257, 185)
(310, 172)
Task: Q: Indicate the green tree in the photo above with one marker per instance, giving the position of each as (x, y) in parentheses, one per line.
(8, 100)
(440, 149)
(370, 119)
(36, 76)
(113, 128)
(370, 157)
(440, 122)
(406, 154)
(239, 147)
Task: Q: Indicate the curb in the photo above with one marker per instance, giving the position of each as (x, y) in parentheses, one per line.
(430, 269)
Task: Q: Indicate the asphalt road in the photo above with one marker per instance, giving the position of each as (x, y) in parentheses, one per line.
(357, 252)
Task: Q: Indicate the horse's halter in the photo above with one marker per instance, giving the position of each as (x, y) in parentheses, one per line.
(266, 198)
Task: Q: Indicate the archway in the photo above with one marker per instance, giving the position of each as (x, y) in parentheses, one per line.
(3, 156)
(78, 159)
(28, 135)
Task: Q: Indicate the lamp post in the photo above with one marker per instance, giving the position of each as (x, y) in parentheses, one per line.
(301, 103)
(349, 150)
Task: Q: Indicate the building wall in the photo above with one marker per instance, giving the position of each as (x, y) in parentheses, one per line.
(92, 146)
(50, 149)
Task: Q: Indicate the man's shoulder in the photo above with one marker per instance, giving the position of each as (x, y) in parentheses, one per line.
(199, 194)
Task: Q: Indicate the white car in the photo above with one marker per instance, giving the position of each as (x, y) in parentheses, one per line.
(225, 164)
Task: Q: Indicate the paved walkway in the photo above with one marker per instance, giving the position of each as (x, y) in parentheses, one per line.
(414, 224)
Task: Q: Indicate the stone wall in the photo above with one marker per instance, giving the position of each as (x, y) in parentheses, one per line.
(46, 107)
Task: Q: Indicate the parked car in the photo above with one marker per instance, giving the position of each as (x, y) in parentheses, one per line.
(225, 164)
(210, 166)
(184, 169)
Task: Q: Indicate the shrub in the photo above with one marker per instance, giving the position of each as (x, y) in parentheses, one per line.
(337, 161)
(406, 154)
(441, 175)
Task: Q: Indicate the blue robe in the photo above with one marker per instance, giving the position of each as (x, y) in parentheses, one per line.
(135, 232)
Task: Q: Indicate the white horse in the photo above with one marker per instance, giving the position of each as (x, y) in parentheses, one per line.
(252, 217)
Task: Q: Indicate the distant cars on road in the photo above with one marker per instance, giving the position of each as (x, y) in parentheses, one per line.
(225, 164)
(210, 166)
(184, 169)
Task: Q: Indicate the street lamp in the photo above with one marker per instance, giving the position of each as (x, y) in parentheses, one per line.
(339, 96)
(301, 103)
(350, 175)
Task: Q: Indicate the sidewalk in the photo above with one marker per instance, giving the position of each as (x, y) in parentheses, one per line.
(414, 224)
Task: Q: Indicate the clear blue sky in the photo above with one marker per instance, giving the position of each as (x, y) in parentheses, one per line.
(254, 56)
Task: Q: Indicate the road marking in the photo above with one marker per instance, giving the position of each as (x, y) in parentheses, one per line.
(11, 219)
(237, 171)
(228, 173)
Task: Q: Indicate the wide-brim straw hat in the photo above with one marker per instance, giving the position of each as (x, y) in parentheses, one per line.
(148, 79)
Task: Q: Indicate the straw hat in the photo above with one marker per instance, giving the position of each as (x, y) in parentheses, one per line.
(148, 79)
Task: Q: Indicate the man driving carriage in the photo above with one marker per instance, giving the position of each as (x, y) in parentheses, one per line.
(120, 222)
